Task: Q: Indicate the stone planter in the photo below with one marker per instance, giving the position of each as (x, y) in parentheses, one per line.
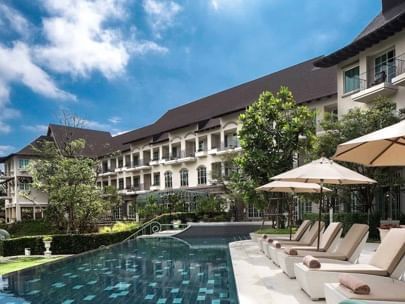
(27, 251)
(47, 245)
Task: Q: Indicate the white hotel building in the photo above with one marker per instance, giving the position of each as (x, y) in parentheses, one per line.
(188, 147)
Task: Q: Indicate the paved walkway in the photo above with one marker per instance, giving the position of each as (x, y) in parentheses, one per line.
(258, 280)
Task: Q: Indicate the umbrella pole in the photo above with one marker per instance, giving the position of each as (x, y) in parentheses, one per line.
(290, 215)
(320, 217)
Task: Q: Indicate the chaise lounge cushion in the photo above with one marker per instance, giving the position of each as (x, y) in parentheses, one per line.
(394, 251)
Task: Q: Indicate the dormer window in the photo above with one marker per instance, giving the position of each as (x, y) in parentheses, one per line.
(23, 163)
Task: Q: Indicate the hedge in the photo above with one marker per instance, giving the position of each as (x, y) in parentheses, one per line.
(77, 243)
(62, 243)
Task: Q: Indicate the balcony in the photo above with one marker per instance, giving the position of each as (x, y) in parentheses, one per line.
(201, 153)
(139, 165)
(182, 157)
(154, 162)
(155, 187)
(107, 172)
(381, 81)
(229, 149)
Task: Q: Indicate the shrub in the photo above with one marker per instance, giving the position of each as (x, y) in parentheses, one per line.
(62, 243)
(31, 227)
(119, 226)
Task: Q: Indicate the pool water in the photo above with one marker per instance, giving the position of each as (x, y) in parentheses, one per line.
(149, 270)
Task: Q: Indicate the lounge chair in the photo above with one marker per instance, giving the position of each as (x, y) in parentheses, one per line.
(382, 290)
(348, 250)
(388, 260)
(297, 236)
(308, 239)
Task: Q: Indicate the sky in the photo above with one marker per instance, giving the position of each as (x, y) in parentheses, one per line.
(121, 64)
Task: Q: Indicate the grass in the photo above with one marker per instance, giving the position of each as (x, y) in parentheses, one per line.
(275, 231)
(23, 262)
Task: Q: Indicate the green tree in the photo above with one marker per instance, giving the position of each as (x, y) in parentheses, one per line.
(275, 130)
(69, 180)
(357, 122)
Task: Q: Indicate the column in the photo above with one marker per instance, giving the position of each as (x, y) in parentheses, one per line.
(222, 138)
(209, 141)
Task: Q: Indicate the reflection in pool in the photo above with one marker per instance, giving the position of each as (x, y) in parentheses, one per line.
(150, 270)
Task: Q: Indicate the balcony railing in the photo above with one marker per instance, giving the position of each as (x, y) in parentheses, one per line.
(381, 73)
(182, 154)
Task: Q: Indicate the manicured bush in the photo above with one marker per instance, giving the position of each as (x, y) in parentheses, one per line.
(77, 243)
(62, 243)
(31, 227)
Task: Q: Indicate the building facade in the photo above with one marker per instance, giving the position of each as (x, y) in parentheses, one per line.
(189, 148)
(373, 66)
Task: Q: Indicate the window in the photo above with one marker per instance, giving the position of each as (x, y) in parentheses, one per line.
(168, 179)
(307, 207)
(121, 184)
(128, 183)
(228, 169)
(216, 170)
(155, 155)
(231, 140)
(137, 181)
(120, 162)
(202, 145)
(183, 177)
(253, 212)
(23, 163)
(156, 179)
(384, 67)
(351, 79)
(202, 175)
(24, 186)
(332, 111)
(127, 161)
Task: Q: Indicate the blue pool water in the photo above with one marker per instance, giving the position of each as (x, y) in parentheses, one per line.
(152, 270)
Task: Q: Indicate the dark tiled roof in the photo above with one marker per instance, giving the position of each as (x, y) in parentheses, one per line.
(97, 142)
(209, 124)
(29, 150)
(384, 25)
(305, 81)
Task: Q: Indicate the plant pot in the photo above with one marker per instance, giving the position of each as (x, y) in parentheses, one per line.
(27, 251)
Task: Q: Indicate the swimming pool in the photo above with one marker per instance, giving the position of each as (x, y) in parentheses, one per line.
(148, 270)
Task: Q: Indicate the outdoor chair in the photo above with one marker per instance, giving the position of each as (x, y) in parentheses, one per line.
(297, 236)
(329, 241)
(308, 239)
(388, 260)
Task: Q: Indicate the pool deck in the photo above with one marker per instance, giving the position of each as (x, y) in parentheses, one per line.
(258, 280)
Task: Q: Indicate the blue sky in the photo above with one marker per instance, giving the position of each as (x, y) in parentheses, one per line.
(120, 64)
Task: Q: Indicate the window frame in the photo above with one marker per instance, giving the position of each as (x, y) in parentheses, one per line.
(23, 163)
(202, 175)
(183, 177)
(347, 69)
(168, 180)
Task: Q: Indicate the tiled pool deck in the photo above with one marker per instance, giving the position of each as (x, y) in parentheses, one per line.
(258, 280)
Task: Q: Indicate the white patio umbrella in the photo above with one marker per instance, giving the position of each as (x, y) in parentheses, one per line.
(291, 187)
(385, 147)
(323, 171)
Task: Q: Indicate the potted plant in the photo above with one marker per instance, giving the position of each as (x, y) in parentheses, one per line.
(47, 243)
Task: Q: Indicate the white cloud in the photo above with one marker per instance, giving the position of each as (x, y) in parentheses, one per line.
(161, 14)
(17, 66)
(42, 129)
(114, 120)
(6, 149)
(14, 20)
